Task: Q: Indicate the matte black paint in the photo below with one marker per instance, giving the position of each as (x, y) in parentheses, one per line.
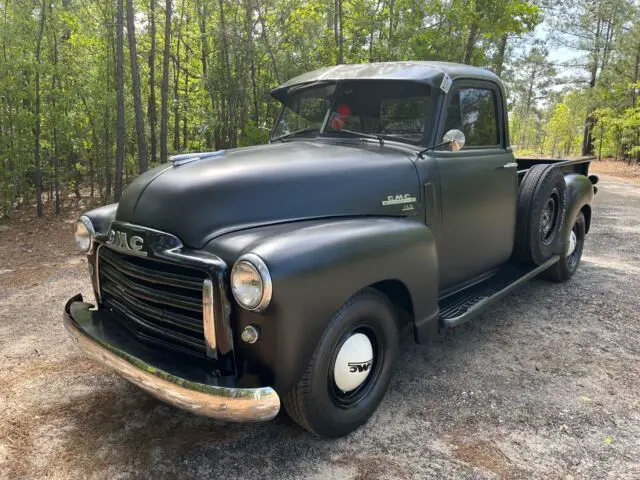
(280, 182)
(315, 267)
(102, 217)
(311, 209)
(579, 197)
(429, 73)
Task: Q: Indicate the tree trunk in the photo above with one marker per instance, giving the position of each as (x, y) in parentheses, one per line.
(151, 111)
(106, 142)
(176, 84)
(184, 116)
(335, 25)
(502, 48)
(117, 190)
(471, 42)
(267, 45)
(203, 16)
(164, 89)
(391, 29)
(56, 149)
(227, 114)
(590, 120)
(472, 38)
(37, 147)
(636, 78)
(340, 33)
(14, 171)
(137, 95)
(372, 30)
(176, 98)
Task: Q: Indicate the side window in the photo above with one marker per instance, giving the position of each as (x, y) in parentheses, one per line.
(473, 110)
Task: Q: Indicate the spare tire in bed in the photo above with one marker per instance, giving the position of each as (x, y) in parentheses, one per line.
(541, 210)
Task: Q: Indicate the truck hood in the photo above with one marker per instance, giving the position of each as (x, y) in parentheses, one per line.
(273, 183)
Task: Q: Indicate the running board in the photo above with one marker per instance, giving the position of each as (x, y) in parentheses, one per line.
(462, 306)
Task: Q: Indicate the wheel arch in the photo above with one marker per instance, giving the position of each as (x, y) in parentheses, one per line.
(316, 266)
(397, 293)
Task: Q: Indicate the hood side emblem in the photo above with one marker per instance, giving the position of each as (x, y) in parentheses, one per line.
(183, 158)
(399, 199)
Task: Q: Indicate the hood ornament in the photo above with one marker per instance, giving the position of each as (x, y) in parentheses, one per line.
(183, 158)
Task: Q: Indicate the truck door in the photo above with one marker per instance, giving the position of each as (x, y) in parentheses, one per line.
(478, 185)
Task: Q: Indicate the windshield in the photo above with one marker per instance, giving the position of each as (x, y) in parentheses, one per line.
(389, 109)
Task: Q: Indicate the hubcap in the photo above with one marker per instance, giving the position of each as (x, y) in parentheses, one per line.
(573, 241)
(353, 363)
(548, 218)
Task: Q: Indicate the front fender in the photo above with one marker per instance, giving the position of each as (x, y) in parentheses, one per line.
(315, 267)
(102, 217)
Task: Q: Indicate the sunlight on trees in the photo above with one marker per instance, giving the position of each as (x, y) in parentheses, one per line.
(86, 105)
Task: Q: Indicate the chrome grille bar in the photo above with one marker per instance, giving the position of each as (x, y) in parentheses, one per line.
(208, 319)
(159, 301)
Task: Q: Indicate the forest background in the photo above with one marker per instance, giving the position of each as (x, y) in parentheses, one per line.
(94, 92)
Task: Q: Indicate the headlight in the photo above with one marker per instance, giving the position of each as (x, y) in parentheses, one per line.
(251, 282)
(84, 233)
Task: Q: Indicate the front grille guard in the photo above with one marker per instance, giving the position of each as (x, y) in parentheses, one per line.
(165, 247)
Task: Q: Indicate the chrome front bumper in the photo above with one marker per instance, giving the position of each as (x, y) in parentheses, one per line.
(224, 403)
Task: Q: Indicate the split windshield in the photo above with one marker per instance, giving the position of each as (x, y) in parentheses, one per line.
(394, 110)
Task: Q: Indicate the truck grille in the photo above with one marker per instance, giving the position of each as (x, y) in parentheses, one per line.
(159, 302)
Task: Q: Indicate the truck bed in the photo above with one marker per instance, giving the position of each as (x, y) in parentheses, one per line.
(579, 165)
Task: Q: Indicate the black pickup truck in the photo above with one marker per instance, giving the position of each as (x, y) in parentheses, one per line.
(228, 282)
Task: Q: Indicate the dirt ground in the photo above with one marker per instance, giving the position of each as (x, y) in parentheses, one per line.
(545, 385)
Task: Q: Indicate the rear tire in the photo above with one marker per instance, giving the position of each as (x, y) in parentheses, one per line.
(316, 403)
(564, 269)
(541, 211)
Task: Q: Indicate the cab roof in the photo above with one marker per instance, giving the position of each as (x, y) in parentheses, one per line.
(429, 73)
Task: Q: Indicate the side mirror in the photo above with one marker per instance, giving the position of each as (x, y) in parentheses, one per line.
(455, 139)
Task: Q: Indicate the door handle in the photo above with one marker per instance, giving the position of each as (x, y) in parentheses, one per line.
(510, 165)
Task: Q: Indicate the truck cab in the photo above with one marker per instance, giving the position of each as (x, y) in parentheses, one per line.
(230, 283)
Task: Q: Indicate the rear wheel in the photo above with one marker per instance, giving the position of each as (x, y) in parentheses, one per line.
(350, 369)
(564, 269)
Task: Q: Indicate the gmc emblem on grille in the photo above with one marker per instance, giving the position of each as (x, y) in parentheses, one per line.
(120, 241)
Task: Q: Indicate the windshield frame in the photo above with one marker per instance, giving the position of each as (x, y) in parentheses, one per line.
(434, 100)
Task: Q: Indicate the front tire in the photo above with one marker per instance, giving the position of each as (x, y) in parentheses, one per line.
(339, 391)
(564, 269)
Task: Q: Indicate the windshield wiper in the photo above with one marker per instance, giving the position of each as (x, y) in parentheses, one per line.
(380, 138)
(295, 132)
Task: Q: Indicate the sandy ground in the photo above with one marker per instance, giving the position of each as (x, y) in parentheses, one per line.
(545, 385)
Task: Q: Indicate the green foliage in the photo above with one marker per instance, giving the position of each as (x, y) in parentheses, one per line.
(602, 100)
(226, 55)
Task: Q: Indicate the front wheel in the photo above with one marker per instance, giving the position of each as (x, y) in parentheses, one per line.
(350, 369)
(564, 269)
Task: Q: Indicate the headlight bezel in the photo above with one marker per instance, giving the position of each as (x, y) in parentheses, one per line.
(85, 222)
(257, 264)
